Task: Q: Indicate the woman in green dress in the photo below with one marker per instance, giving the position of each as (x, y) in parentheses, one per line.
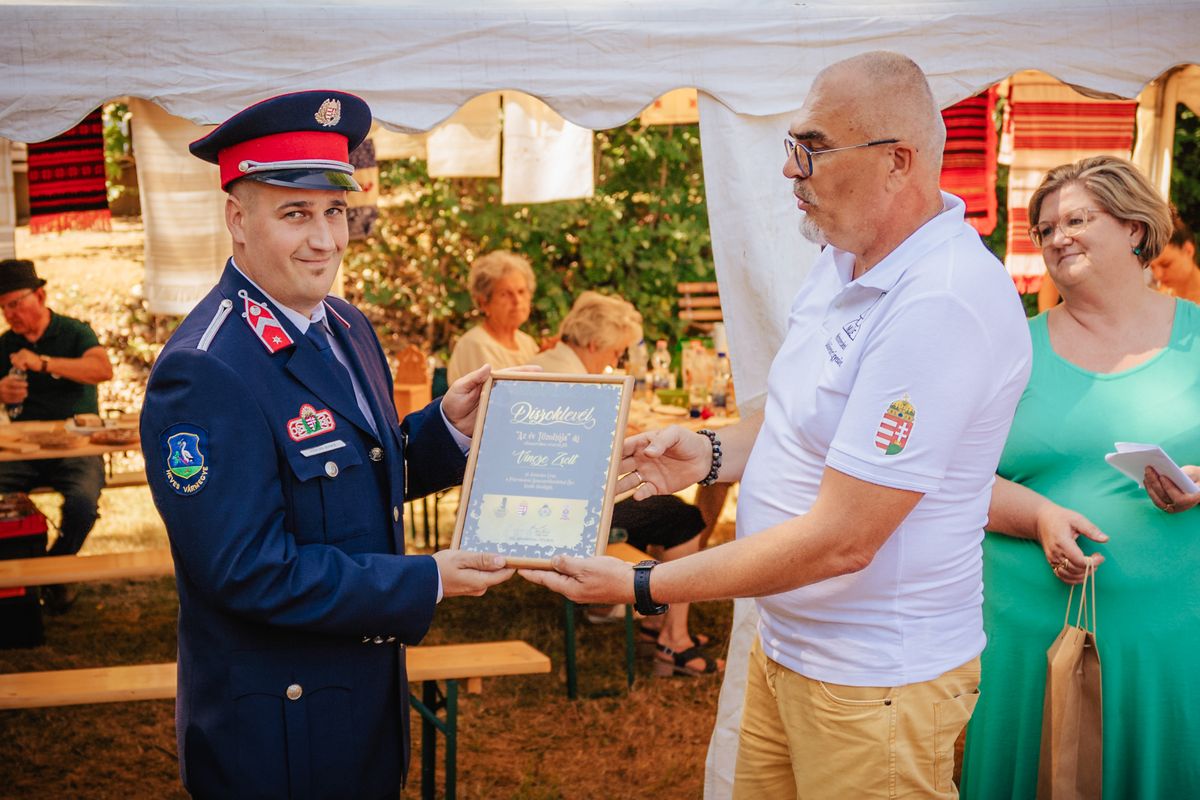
(1116, 361)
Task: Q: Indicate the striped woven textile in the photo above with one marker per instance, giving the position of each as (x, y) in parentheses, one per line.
(1052, 124)
(969, 159)
(67, 189)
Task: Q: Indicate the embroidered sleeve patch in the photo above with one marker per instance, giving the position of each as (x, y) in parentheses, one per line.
(896, 426)
(185, 450)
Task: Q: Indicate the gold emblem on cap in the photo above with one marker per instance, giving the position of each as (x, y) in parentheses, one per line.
(330, 113)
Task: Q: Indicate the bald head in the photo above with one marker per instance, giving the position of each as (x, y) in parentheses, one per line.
(887, 95)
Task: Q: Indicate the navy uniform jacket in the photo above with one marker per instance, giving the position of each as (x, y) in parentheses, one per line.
(284, 515)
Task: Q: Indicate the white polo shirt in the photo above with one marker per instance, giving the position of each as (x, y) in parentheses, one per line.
(907, 377)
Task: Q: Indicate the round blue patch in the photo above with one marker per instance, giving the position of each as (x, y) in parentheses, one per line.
(185, 451)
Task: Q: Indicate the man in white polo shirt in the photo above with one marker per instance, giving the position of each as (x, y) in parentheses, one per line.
(865, 484)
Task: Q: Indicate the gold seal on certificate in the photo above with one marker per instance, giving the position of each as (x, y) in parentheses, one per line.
(543, 464)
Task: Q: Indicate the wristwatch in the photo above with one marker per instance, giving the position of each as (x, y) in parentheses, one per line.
(45, 363)
(642, 602)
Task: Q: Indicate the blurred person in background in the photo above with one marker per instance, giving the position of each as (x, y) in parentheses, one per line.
(1175, 270)
(593, 337)
(502, 285)
(56, 363)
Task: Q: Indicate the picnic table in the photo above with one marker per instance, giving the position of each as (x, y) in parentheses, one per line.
(35, 440)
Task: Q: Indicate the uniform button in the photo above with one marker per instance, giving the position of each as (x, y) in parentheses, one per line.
(396, 513)
(391, 639)
(366, 640)
(294, 691)
(331, 469)
(376, 454)
(378, 640)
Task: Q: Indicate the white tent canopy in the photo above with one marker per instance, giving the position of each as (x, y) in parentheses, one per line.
(597, 64)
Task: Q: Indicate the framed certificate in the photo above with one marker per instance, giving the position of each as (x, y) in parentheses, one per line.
(543, 465)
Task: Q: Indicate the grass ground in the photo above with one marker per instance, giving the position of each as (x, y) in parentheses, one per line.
(521, 738)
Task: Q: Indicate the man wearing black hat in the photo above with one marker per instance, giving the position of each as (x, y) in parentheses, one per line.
(275, 457)
(56, 362)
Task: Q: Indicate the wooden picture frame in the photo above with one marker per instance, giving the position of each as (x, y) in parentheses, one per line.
(543, 466)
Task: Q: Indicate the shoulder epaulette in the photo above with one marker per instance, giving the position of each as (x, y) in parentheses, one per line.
(223, 309)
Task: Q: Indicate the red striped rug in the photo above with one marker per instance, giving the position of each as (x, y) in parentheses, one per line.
(969, 159)
(67, 189)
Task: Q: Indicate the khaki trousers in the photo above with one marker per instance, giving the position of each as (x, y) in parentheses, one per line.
(809, 739)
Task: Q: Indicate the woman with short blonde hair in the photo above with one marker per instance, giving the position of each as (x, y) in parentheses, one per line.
(1114, 362)
(594, 334)
(501, 284)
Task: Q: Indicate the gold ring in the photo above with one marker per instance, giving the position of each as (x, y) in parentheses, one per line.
(1169, 508)
(641, 480)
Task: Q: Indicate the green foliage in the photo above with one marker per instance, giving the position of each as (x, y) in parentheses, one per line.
(645, 230)
(116, 118)
(1185, 171)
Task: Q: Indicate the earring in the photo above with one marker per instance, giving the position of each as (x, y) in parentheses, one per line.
(1137, 251)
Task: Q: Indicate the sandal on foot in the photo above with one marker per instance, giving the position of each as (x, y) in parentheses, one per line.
(667, 662)
(649, 636)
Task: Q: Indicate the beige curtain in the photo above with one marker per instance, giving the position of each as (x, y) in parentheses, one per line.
(183, 209)
(546, 158)
(676, 107)
(8, 205)
(468, 144)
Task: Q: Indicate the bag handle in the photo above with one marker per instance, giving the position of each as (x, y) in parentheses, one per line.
(1081, 617)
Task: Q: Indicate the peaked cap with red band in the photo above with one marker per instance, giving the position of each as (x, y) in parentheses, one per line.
(302, 140)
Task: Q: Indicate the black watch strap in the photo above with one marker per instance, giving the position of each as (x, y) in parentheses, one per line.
(642, 602)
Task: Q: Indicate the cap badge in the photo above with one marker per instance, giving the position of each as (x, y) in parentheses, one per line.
(330, 113)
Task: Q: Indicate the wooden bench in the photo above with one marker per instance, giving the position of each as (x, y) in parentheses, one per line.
(76, 569)
(700, 304)
(426, 665)
(628, 553)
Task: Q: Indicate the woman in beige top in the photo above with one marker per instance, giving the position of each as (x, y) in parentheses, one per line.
(502, 285)
(593, 337)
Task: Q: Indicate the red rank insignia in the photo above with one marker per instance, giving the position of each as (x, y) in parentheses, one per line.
(266, 327)
(896, 426)
(310, 423)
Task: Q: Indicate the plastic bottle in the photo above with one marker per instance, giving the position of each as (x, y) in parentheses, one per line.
(722, 375)
(637, 367)
(14, 409)
(660, 362)
(697, 374)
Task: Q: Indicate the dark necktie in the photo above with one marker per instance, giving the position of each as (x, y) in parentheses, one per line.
(316, 334)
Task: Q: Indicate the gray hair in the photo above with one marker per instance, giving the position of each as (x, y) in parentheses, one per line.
(606, 322)
(491, 267)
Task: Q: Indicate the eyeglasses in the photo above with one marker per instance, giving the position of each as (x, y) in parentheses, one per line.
(11, 305)
(804, 164)
(1070, 225)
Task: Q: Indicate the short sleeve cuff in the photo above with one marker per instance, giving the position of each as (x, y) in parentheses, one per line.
(892, 477)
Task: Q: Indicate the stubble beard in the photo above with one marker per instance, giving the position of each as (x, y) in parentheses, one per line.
(811, 231)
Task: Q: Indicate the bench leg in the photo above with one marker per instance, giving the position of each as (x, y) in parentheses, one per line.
(428, 706)
(569, 647)
(429, 723)
(451, 739)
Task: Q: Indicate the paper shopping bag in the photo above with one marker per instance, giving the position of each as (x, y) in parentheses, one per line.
(1072, 736)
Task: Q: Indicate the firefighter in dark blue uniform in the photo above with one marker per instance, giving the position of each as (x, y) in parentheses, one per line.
(275, 458)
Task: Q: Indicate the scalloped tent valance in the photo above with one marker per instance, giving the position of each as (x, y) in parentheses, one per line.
(596, 63)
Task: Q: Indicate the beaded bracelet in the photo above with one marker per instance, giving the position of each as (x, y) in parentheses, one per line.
(711, 478)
